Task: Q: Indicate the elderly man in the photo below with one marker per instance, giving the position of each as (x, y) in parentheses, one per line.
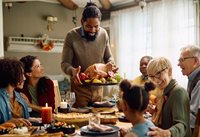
(189, 62)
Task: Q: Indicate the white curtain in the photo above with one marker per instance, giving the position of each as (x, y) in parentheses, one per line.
(160, 29)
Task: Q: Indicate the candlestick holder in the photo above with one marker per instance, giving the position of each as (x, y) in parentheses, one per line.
(64, 110)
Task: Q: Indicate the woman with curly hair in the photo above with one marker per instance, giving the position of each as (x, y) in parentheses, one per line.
(38, 89)
(12, 107)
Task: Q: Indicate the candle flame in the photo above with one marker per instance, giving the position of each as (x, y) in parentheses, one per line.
(46, 104)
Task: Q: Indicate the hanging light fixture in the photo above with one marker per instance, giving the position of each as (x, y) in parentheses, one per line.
(142, 4)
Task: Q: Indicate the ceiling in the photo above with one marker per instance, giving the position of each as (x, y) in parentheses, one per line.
(103, 4)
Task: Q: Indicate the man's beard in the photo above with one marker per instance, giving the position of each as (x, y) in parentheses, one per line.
(89, 37)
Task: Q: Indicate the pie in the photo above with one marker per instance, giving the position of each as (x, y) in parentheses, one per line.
(72, 118)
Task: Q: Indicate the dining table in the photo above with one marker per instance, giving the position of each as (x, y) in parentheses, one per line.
(39, 131)
(76, 134)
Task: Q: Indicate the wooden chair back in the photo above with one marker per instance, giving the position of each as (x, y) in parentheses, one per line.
(57, 94)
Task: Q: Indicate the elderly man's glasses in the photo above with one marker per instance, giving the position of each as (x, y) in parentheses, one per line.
(183, 59)
(157, 75)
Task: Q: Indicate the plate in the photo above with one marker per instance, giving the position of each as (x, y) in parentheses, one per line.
(85, 130)
(100, 84)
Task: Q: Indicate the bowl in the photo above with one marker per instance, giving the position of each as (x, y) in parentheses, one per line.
(4, 131)
(53, 129)
(67, 130)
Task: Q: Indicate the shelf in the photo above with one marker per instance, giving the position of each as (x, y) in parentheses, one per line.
(29, 44)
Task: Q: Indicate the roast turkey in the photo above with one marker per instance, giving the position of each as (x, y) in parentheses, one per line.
(99, 70)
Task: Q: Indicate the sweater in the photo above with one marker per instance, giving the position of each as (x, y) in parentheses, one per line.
(77, 51)
(42, 98)
(175, 112)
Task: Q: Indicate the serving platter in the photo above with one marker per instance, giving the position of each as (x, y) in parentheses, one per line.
(99, 84)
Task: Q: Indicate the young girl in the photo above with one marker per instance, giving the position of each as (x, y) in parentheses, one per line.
(135, 100)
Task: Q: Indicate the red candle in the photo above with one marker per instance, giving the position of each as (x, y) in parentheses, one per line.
(46, 114)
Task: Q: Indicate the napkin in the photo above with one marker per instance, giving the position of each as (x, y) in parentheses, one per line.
(99, 128)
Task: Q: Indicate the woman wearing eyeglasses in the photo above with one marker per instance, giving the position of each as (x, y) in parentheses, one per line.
(38, 89)
(172, 109)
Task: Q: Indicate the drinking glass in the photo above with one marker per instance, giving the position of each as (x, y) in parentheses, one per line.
(115, 94)
(70, 98)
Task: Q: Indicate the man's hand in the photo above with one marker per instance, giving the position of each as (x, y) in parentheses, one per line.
(158, 132)
(75, 75)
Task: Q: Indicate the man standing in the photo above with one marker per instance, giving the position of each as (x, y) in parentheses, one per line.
(83, 47)
(189, 62)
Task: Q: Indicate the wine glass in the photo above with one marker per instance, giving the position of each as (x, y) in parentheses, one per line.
(115, 94)
(71, 99)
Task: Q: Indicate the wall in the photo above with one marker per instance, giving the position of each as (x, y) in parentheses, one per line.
(29, 19)
(1, 31)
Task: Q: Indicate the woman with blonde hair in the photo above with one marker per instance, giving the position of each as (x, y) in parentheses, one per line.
(172, 108)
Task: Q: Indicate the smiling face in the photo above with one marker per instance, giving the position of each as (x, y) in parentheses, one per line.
(161, 78)
(159, 71)
(91, 27)
(187, 62)
(37, 70)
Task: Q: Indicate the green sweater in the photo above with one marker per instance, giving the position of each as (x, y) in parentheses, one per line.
(175, 114)
(77, 51)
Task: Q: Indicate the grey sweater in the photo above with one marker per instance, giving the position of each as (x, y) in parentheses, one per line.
(77, 51)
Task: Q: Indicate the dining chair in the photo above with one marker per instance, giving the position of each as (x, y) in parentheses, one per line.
(196, 132)
(57, 95)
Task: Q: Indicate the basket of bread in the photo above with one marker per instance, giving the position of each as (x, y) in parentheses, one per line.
(108, 119)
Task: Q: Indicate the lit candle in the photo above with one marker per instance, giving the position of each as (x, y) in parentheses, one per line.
(46, 114)
(63, 104)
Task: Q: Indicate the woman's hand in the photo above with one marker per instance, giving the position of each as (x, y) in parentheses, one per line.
(158, 132)
(20, 121)
(123, 132)
(7, 125)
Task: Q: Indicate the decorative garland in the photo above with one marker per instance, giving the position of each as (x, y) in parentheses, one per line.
(45, 46)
